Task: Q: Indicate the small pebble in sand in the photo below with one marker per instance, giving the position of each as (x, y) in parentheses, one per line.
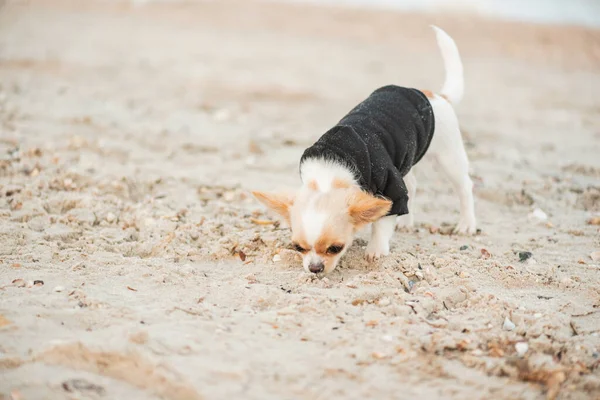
(251, 278)
(463, 274)
(110, 217)
(387, 338)
(595, 256)
(524, 255)
(521, 348)
(276, 258)
(463, 248)
(567, 282)
(253, 147)
(538, 215)
(38, 283)
(59, 288)
(508, 325)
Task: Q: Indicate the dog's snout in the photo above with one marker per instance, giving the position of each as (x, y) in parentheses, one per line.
(316, 267)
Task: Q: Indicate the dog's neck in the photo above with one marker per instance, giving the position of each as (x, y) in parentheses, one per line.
(324, 175)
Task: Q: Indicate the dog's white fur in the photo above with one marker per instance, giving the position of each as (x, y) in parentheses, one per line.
(446, 149)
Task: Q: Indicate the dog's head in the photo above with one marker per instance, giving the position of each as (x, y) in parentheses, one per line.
(324, 223)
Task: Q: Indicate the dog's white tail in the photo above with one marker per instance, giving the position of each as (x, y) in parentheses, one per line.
(453, 87)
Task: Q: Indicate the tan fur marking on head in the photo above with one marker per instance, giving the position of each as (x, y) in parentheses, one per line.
(312, 185)
(280, 203)
(365, 208)
(327, 238)
(301, 241)
(339, 183)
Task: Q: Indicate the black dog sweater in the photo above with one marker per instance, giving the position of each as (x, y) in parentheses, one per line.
(380, 140)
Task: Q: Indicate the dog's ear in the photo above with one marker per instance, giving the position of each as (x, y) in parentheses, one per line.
(365, 208)
(278, 202)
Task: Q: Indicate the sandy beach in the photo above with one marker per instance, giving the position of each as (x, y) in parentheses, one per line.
(135, 264)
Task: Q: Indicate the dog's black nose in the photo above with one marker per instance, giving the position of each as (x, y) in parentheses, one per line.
(316, 267)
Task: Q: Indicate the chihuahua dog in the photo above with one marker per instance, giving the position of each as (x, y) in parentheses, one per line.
(360, 171)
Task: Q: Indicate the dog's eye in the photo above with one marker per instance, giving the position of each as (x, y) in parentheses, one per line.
(299, 248)
(335, 249)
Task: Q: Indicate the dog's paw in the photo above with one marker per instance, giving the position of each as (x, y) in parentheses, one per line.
(376, 250)
(465, 226)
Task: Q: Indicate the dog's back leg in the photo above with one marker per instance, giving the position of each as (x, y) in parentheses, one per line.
(448, 150)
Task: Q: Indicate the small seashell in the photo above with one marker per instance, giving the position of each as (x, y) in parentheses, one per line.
(59, 288)
(276, 258)
(384, 302)
(521, 348)
(508, 325)
(593, 221)
(110, 217)
(538, 215)
(229, 196)
(19, 283)
(485, 254)
(38, 283)
(222, 115)
(477, 352)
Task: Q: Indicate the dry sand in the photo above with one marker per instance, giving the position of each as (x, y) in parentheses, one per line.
(131, 137)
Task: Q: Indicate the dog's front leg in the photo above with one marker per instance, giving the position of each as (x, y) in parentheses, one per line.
(381, 233)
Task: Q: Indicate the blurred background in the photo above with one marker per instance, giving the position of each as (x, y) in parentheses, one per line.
(579, 12)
